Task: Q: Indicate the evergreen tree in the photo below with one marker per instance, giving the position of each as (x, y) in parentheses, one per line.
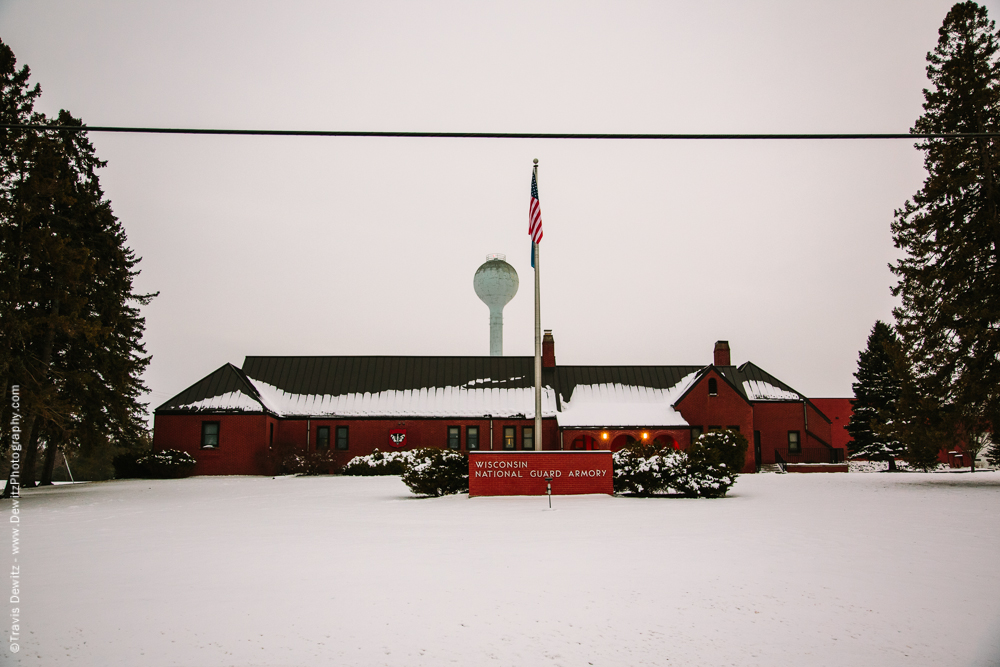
(101, 362)
(949, 280)
(876, 393)
(17, 101)
(70, 328)
(918, 421)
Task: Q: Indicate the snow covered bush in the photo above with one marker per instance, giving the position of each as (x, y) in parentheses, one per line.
(307, 463)
(730, 447)
(863, 466)
(167, 464)
(707, 469)
(379, 463)
(705, 474)
(437, 472)
(643, 470)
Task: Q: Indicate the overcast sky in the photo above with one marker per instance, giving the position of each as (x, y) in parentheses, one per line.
(653, 250)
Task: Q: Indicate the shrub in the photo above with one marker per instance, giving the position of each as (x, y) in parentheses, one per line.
(379, 463)
(707, 469)
(437, 472)
(730, 447)
(704, 474)
(167, 464)
(307, 463)
(643, 470)
(127, 465)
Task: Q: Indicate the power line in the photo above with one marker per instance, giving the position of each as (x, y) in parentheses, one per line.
(489, 135)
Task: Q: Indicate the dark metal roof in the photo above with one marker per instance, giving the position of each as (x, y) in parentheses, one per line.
(657, 377)
(750, 371)
(343, 375)
(753, 372)
(350, 375)
(225, 380)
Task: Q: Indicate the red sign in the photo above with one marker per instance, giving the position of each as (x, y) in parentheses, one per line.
(525, 473)
(397, 437)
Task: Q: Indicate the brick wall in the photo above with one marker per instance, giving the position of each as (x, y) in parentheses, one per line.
(242, 446)
(774, 421)
(839, 410)
(247, 447)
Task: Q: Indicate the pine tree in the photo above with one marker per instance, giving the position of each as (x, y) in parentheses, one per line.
(101, 364)
(70, 328)
(17, 100)
(876, 393)
(949, 280)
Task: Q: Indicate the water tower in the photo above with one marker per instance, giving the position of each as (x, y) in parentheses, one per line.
(496, 283)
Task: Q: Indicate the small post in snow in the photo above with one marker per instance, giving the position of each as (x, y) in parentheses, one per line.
(548, 488)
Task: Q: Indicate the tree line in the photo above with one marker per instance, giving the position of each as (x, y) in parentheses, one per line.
(933, 379)
(70, 325)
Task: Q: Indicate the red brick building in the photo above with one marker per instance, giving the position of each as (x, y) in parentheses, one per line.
(237, 421)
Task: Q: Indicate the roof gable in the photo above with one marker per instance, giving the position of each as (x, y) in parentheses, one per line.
(226, 389)
(759, 385)
(727, 373)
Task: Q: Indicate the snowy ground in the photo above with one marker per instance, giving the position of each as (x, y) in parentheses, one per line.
(838, 569)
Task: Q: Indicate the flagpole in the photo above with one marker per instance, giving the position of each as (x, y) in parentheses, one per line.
(538, 342)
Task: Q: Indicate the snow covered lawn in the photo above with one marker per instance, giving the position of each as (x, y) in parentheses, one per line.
(839, 569)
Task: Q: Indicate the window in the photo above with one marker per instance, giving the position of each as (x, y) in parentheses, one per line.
(472, 437)
(528, 437)
(793, 442)
(454, 437)
(210, 435)
(713, 387)
(341, 437)
(509, 435)
(322, 437)
(696, 432)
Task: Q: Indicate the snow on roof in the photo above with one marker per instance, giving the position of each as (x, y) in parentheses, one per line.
(233, 400)
(461, 401)
(758, 390)
(613, 404)
(472, 383)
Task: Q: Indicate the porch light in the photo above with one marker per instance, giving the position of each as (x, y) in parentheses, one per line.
(645, 435)
(604, 436)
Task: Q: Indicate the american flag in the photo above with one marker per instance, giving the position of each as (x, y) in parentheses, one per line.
(534, 216)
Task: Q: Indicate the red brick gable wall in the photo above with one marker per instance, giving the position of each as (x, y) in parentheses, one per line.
(726, 409)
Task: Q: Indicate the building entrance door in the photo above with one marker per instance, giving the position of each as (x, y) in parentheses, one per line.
(756, 450)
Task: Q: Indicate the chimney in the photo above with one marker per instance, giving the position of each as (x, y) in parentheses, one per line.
(722, 353)
(548, 350)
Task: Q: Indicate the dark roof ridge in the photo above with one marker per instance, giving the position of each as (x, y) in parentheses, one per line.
(224, 379)
(382, 356)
